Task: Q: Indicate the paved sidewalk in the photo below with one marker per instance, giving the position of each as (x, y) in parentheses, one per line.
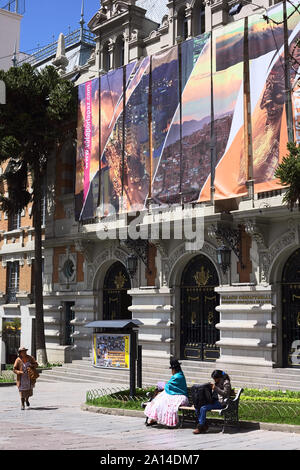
(55, 421)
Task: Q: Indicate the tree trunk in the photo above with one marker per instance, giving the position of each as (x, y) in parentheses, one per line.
(38, 272)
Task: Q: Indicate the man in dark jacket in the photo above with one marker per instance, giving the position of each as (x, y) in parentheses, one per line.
(221, 390)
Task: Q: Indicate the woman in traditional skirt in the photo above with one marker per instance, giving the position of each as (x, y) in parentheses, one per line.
(24, 384)
(163, 409)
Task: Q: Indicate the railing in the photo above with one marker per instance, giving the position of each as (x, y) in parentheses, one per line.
(15, 6)
(48, 51)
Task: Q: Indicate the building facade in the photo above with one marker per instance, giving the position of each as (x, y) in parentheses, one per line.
(192, 306)
(10, 24)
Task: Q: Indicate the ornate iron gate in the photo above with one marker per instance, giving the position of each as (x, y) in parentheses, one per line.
(115, 298)
(198, 311)
(291, 311)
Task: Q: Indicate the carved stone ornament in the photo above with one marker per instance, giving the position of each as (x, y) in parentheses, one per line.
(267, 258)
(86, 248)
(255, 231)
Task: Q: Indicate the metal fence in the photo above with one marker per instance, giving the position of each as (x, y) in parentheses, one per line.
(15, 6)
(267, 411)
(48, 51)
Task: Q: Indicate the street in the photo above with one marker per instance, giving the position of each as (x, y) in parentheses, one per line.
(55, 422)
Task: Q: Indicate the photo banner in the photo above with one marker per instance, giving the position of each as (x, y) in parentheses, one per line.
(111, 115)
(87, 159)
(228, 126)
(268, 92)
(177, 158)
(195, 120)
(136, 161)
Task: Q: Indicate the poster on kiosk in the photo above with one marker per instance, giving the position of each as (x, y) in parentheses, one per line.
(111, 350)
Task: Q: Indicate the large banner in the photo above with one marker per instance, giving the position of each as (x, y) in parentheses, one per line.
(209, 112)
(111, 351)
(178, 172)
(228, 127)
(268, 92)
(87, 162)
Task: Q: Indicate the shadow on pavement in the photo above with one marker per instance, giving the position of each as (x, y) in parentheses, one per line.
(42, 408)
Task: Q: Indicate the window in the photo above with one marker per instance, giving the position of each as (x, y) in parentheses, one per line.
(14, 221)
(106, 58)
(119, 52)
(13, 275)
(198, 18)
(182, 24)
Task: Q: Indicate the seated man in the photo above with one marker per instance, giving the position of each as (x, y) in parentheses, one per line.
(221, 391)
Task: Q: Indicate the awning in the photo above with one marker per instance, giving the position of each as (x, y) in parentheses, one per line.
(120, 324)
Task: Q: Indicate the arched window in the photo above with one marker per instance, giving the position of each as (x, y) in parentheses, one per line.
(182, 24)
(119, 52)
(198, 18)
(106, 57)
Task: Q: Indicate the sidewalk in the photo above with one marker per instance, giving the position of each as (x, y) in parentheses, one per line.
(55, 421)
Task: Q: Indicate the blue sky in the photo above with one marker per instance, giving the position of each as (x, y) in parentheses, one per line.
(45, 18)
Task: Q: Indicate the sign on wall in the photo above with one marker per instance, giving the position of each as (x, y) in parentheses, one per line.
(111, 351)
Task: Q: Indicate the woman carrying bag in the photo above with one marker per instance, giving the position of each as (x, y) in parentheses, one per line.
(25, 369)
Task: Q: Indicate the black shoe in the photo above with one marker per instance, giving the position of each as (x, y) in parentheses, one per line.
(28, 404)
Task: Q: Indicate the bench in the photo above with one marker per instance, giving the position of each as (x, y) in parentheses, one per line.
(230, 412)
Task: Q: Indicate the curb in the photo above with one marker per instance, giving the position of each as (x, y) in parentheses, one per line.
(113, 411)
(7, 384)
(291, 428)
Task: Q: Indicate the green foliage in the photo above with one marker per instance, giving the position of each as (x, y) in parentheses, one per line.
(7, 376)
(288, 172)
(253, 392)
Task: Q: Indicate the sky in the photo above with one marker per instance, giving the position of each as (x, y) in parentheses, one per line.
(44, 19)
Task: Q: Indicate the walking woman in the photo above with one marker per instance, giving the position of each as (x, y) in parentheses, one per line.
(163, 409)
(221, 390)
(21, 368)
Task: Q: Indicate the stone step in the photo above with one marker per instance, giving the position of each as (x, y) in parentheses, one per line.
(278, 374)
(88, 376)
(152, 379)
(60, 378)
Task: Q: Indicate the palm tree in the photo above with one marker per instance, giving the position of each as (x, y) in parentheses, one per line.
(288, 172)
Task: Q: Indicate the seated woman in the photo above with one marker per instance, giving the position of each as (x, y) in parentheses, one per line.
(221, 391)
(163, 409)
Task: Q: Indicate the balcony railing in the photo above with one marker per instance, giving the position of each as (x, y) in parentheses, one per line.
(15, 6)
(48, 51)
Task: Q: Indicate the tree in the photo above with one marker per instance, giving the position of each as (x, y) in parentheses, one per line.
(40, 111)
(288, 172)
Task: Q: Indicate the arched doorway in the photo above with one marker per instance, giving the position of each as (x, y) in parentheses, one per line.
(291, 311)
(198, 310)
(115, 298)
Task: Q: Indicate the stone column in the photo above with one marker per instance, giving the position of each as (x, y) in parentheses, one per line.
(188, 15)
(247, 329)
(152, 306)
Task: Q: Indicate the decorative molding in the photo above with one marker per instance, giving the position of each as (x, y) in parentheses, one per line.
(267, 258)
(209, 250)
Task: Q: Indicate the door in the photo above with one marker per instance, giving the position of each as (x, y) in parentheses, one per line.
(198, 311)
(115, 298)
(291, 312)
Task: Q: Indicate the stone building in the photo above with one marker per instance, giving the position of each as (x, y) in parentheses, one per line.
(240, 316)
